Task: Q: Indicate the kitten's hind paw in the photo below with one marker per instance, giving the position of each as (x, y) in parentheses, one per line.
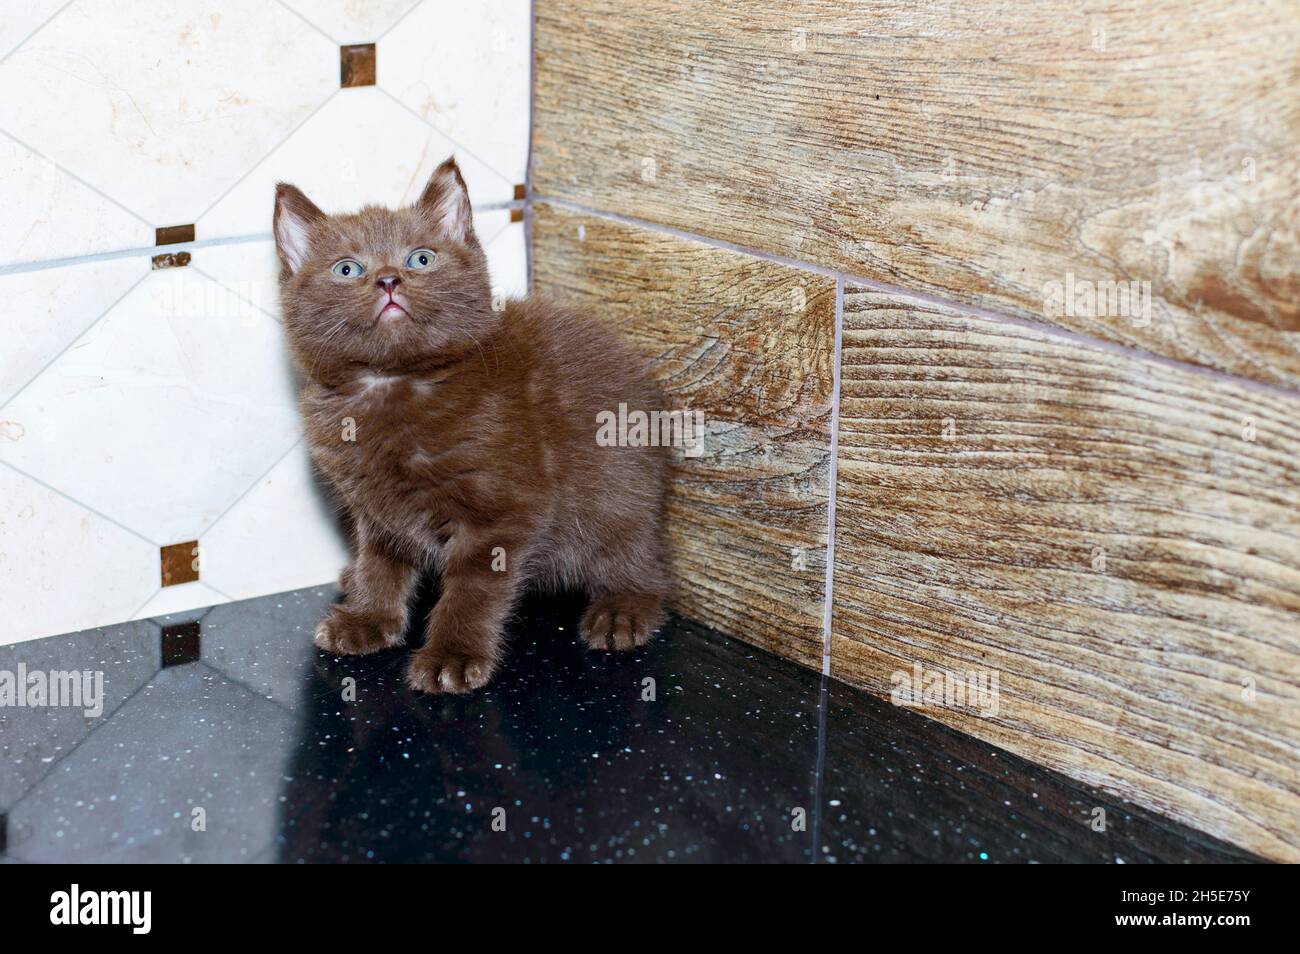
(621, 622)
(434, 671)
(346, 633)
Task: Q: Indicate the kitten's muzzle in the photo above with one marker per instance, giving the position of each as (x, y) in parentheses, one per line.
(391, 306)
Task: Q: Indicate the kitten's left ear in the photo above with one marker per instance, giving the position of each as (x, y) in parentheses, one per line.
(446, 201)
(295, 215)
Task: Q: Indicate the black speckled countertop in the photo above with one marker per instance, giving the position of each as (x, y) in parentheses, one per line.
(226, 736)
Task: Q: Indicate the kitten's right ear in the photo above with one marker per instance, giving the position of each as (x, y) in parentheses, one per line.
(295, 215)
(446, 200)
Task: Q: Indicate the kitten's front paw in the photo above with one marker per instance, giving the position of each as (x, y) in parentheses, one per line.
(621, 622)
(346, 633)
(436, 670)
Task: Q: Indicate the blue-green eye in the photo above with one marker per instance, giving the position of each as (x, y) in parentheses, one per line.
(348, 268)
(421, 258)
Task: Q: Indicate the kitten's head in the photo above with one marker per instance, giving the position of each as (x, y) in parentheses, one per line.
(384, 288)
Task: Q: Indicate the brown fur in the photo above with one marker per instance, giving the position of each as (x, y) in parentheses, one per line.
(475, 430)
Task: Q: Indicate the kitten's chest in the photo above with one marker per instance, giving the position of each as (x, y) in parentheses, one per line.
(362, 436)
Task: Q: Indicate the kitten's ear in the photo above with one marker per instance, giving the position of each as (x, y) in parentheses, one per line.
(446, 202)
(294, 217)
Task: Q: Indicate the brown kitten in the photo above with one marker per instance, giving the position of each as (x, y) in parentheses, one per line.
(463, 438)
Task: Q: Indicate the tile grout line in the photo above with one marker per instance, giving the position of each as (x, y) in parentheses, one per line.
(242, 297)
(143, 251)
(198, 537)
(528, 160)
(499, 232)
(76, 178)
(71, 343)
(459, 148)
(43, 24)
(393, 26)
(834, 476)
(237, 683)
(267, 155)
(288, 9)
(99, 724)
(974, 311)
(80, 503)
(222, 593)
(823, 703)
(823, 693)
(40, 264)
(136, 618)
(135, 613)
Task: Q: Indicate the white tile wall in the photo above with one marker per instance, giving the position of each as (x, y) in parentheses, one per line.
(165, 134)
(361, 147)
(139, 407)
(358, 21)
(63, 566)
(281, 535)
(45, 310)
(163, 412)
(434, 64)
(50, 214)
(23, 19)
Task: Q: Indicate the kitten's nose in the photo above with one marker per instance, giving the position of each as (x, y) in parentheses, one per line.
(388, 282)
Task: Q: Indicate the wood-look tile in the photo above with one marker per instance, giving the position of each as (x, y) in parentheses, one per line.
(1113, 539)
(750, 343)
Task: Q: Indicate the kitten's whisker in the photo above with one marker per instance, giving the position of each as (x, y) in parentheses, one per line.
(320, 345)
(319, 350)
(481, 354)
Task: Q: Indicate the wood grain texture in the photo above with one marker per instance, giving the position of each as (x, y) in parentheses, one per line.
(1117, 539)
(977, 151)
(751, 344)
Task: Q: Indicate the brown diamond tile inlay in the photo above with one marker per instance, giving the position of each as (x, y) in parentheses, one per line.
(171, 260)
(181, 644)
(357, 65)
(180, 563)
(516, 215)
(173, 234)
(521, 192)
